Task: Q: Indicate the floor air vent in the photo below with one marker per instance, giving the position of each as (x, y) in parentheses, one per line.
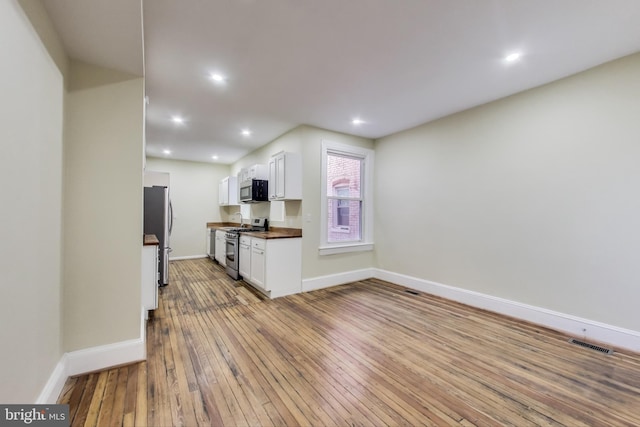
(591, 346)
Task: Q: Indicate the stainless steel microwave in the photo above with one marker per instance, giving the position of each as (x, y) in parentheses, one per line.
(254, 190)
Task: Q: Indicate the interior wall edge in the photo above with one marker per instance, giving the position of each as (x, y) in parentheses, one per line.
(55, 383)
(49, 37)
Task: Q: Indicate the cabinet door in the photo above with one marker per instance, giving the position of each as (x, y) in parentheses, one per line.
(272, 179)
(285, 176)
(221, 248)
(225, 191)
(258, 259)
(244, 266)
(232, 190)
(280, 178)
(150, 277)
(220, 194)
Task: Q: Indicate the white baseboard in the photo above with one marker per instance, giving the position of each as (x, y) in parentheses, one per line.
(179, 258)
(88, 360)
(321, 282)
(105, 356)
(572, 325)
(55, 384)
(93, 359)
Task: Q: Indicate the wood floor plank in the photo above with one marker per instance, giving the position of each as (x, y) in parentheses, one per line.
(119, 397)
(363, 354)
(79, 408)
(141, 417)
(108, 399)
(93, 412)
(131, 389)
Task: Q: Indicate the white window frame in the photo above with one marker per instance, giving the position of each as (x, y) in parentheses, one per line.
(366, 187)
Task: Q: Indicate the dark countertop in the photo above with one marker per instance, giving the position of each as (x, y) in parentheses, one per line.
(222, 224)
(150, 239)
(276, 233)
(273, 233)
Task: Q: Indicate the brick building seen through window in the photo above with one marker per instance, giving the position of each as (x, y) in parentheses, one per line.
(344, 210)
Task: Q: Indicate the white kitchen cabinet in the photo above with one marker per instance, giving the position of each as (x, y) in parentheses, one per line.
(285, 176)
(221, 247)
(244, 253)
(258, 261)
(228, 191)
(276, 266)
(257, 171)
(150, 276)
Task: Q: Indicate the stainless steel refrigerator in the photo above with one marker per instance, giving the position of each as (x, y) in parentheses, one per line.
(158, 220)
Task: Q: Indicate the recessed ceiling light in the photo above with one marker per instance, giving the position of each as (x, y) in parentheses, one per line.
(246, 132)
(177, 120)
(512, 57)
(166, 151)
(357, 121)
(214, 157)
(218, 78)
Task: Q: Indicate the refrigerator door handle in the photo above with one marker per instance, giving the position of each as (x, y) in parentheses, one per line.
(170, 217)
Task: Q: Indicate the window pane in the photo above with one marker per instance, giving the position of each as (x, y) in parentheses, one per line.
(344, 220)
(342, 190)
(342, 213)
(343, 176)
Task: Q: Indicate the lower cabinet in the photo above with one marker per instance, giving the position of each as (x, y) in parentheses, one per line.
(150, 277)
(258, 261)
(275, 265)
(221, 247)
(244, 253)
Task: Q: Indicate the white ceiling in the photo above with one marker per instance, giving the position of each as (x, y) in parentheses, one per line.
(393, 63)
(106, 33)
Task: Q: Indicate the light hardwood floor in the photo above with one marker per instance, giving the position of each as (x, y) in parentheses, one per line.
(368, 353)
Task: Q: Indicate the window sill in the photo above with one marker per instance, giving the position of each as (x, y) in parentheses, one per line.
(339, 249)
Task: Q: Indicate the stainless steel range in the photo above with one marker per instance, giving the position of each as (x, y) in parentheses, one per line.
(233, 242)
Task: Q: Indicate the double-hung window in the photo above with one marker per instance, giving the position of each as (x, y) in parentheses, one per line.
(347, 211)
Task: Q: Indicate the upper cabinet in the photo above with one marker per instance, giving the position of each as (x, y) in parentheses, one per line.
(256, 171)
(228, 191)
(285, 176)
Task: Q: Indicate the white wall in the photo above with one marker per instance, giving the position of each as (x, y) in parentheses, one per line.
(30, 231)
(314, 265)
(102, 206)
(194, 196)
(533, 198)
